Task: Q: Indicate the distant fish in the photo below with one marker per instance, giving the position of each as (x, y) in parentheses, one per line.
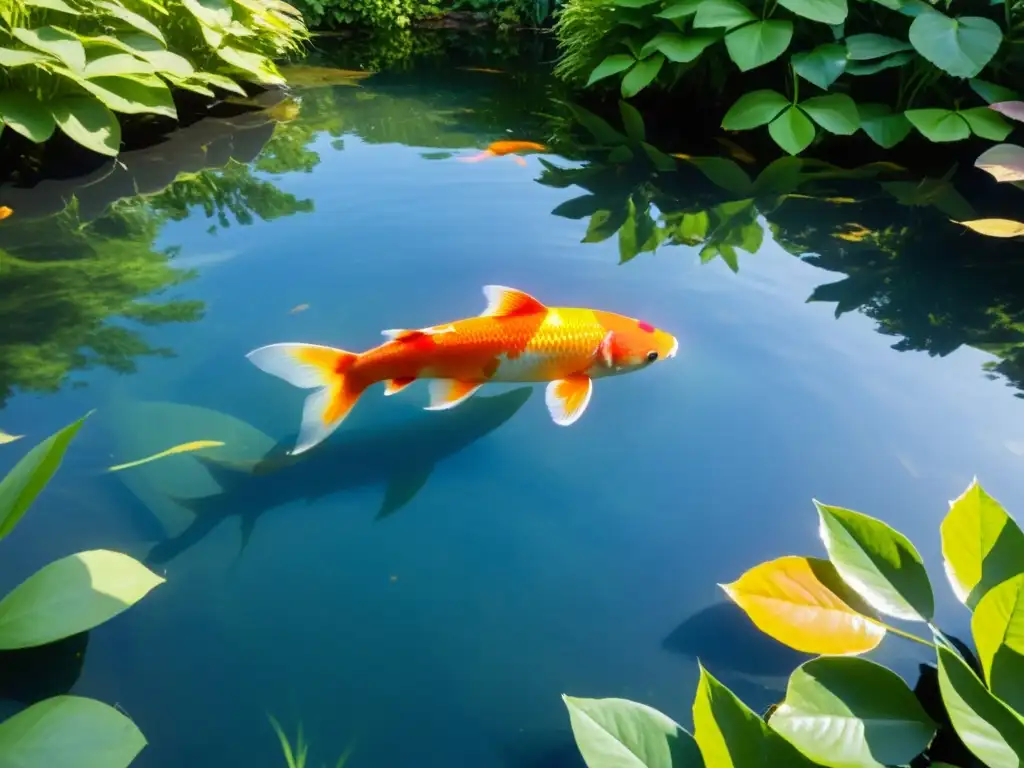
(502, 148)
(300, 308)
(485, 70)
(6, 438)
(5, 212)
(196, 445)
(515, 339)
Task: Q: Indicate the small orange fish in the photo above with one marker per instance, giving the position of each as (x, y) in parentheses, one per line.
(502, 148)
(515, 339)
(485, 70)
(5, 212)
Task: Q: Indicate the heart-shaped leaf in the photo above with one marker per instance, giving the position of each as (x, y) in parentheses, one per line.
(1004, 161)
(72, 595)
(722, 13)
(676, 47)
(24, 114)
(852, 713)
(825, 11)
(886, 129)
(59, 43)
(939, 124)
(756, 44)
(998, 630)
(822, 66)
(612, 65)
(879, 563)
(624, 734)
(986, 123)
(754, 109)
(836, 113)
(803, 603)
(70, 732)
(962, 46)
(792, 130)
(89, 123)
(641, 75)
(871, 46)
(995, 227)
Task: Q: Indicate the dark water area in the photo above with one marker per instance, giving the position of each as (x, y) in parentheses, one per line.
(426, 585)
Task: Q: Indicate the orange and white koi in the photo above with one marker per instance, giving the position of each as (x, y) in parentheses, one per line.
(502, 148)
(515, 339)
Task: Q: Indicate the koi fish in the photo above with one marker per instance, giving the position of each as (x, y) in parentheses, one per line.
(5, 212)
(515, 339)
(502, 148)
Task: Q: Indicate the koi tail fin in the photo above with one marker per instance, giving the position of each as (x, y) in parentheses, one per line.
(311, 366)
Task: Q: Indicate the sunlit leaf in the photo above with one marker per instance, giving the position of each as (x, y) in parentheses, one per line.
(89, 123)
(995, 227)
(1012, 109)
(722, 13)
(872, 46)
(21, 112)
(792, 130)
(677, 47)
(130, 94)
(825, 11)
(130, 18)
(988, 727)
(998, 630)
(822, 66)
(939, 124)
(612, 65)
(29, 476)
(117, 64)
(882, 125)
(258, 66)
(986, 123)
(59, 43)
(836, 113)
(148, 49)
(981, 544)
(754, 109)
(219, 81)
(604, 224)
(641, 75)
(72, 595)
(803, 603)
(195, 445)
(756, 44)
(211, 13)
(1004, 161)
(11, 57)
(617, 733)
(962, 46)
(852, 713)
(70, 732)
(52, 5)
(878, 561)
(8, 438)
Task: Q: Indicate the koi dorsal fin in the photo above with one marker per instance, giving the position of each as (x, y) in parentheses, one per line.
(503, 302)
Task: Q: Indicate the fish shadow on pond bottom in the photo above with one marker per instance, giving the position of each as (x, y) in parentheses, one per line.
(401, 458)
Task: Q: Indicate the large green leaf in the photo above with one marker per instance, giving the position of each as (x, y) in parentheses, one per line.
(939, 124)
(886, 128)
(53, 5)
(31, 474)
(12, 57)
(998, 630)
(754, 109)
(130, 18)
(69, 732)
(836, 113)
(863, 68)
(822, 66)
(792, 130)
(641, 75)
(72, 595)
(852, 713)
(871, 46)
(632, 121)
(23, 113)
(258, 66)
(825, 11)
(130, 94)
(679, 10)
(756, 44)
(89, 123)
(722, 13)
(117, 64)
(877, 561)
(219, 81)
(988, 727)
(148, 49)
(962, 46)
(611, 65)
(987, 123)
(211, 13)
(59, 43)
(724, 173)
(677, 47)
(617, 733)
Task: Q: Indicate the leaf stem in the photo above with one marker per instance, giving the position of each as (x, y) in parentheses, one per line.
(796, 83)
(907, 635)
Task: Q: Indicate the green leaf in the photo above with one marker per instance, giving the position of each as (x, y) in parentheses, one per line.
(676, 47)
(72, 595)
(885, 128)
(988, 727)
(130, 18)
(825, 11)
(578, 207)
(721, 13)
(861, 68)
(117, 64)
(618, 733)
(990, 92)
(632, 121)
(792, 130)
(612, 65)
(659, 159)
(52, 5)
(30, 475)
(619, 155)
(754, 109)
(89, 123)
(847, 712)
(24, 114)
(679, 10)
(939, 124)
(836, 113)
(70, 732)
(629, 245)
(59, 43)
(986, 123)
(822, 66)
(130, 94)
(782, 176)
(962, 47)
(604, 224)
(998, 630)
(258, 66)
(756, 44)
(148, 49)
(634, 3)
(211, 13)
(694, 227)
(188, 85)
(641, 75)
(870, 46)
(724, 173)
(878, 562)
(11, 57)
(219, 81)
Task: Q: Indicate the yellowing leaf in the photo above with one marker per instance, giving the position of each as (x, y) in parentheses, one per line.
(995, 227)
(195, 445)
(803, 603)
(6, 438)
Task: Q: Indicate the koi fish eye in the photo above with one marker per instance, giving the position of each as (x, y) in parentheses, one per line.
(652, 356)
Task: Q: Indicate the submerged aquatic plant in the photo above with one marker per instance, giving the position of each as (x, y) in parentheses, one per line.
(296, 757)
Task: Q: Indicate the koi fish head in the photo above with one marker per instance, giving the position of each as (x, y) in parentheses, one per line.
(632, 343)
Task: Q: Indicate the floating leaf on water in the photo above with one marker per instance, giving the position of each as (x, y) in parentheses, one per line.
(196, 445)
(4, 437)
(995, 227)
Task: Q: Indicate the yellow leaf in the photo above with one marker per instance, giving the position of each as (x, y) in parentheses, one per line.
(803, 603)
(995, 227)
(6, 438)
(195, 445)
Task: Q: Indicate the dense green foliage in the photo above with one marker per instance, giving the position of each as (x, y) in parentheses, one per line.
(808, 67)
(73, 64)
(378, 14)
(65, 598)
(841, 711)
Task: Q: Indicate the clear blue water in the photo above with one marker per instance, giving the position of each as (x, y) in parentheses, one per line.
(533, 560)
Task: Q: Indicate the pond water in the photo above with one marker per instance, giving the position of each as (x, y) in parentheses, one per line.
(426, 585)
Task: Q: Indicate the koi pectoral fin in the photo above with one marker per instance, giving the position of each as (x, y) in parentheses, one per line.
(568, 398)
(519, 161)
(447, 393)
(394, 386)
(402, 489)
(476, 158)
